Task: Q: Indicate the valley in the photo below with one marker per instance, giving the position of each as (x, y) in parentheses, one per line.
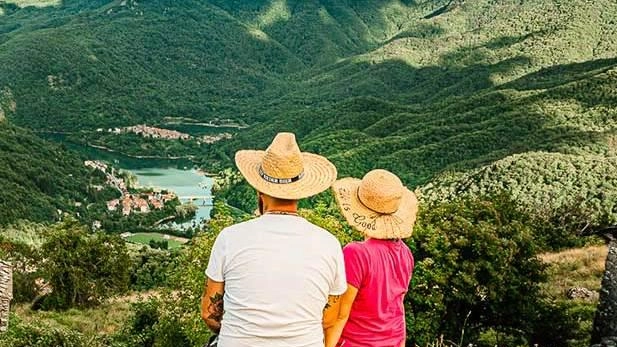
(500, 115)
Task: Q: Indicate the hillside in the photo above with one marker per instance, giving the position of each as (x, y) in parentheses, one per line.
(428, 89)
(82, 64)
(37, 178)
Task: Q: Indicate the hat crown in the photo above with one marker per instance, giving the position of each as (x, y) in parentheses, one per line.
(283, 159)
(381, 191)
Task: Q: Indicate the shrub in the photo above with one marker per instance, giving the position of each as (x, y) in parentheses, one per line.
(83, 269)
(25, 335)
(477, 276)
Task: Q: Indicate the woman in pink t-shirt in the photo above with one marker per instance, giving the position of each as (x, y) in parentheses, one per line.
(378, 269)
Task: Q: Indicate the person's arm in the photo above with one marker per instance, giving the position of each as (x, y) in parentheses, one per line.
(212, 304)
(330, 314)
(333, 334)
(212, 298)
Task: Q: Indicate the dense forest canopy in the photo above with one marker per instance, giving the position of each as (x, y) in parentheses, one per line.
(501, 115)
(422, 88)
(38, 179)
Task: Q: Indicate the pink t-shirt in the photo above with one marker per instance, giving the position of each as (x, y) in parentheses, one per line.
(381, 270)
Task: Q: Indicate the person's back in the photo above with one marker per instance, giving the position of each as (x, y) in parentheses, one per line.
(278, 272)
(378, 270)
(276, 280)
(381, 271)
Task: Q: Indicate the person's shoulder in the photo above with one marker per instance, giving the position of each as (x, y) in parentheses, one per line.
(355, 247)
(323, 233)
(240, 227)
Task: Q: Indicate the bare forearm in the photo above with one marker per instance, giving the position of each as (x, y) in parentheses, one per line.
(212, 306)
(333, 333)
(209, 314)
(214, 326)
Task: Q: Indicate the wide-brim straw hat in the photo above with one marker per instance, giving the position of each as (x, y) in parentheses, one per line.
(283, 172)
(379, 205)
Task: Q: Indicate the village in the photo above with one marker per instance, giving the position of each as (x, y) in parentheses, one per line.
(151, 132)
(142, 202)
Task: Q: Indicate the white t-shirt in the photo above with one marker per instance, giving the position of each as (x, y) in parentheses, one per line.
(278, 272)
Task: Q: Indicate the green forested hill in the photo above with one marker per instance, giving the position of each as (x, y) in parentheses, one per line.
(37, 177)
(82, 64)
(428, 89)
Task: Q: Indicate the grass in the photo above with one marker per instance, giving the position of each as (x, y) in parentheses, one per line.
(580, 267)
(577, 267)
(105, 319)
(145, 238)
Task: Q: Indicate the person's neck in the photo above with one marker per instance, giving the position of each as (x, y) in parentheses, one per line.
(292, 210)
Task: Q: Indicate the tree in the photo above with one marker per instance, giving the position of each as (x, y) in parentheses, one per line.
(477, 275)
(83, 269)
(162, 244)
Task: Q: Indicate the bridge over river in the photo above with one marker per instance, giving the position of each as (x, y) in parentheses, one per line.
(207, 199)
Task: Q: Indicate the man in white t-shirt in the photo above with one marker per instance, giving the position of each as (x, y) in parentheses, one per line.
(275, 280)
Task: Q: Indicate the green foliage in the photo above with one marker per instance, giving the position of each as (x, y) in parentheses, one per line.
(151, 268)
(28, 334)
(83, 269)
(541, 183)
(37, 177)
(477, 273)
(140, 331)
(19, 244)
(163, 244)
(230, 187)
(419, 88)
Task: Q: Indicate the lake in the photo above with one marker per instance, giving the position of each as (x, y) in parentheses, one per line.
(175, 175)
(189, 185)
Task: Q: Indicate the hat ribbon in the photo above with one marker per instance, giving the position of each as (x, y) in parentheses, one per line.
(279, 180)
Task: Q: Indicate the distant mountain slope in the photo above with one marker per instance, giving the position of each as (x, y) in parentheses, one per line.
(539, 181)
(417, 87)
(82, 63)
(37, 177)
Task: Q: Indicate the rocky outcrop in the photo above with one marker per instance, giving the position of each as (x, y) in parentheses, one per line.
(604, 331)
(6, 293)
(607, 342)
(582, 293)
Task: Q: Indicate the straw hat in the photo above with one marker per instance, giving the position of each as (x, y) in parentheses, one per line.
(283, 172)
(378, 205)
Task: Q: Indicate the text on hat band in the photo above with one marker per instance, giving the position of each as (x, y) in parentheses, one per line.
(279, 180)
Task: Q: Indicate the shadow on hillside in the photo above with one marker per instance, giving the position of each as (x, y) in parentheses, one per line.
(476, 53)
(555, 76)
(422, 30)
(323, 31)
(383, 112)
(420, 121)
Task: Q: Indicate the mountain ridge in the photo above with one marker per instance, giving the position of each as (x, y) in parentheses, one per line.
(369, 84)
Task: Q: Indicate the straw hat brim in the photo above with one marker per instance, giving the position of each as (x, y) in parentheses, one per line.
(398, 225)
(319, 174)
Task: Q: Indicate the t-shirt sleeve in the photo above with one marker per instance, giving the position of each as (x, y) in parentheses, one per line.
(354, 267)
(339, 286)
(215, 270)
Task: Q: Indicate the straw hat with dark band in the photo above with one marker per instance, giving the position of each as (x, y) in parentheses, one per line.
(378, 205)
(283, 172)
